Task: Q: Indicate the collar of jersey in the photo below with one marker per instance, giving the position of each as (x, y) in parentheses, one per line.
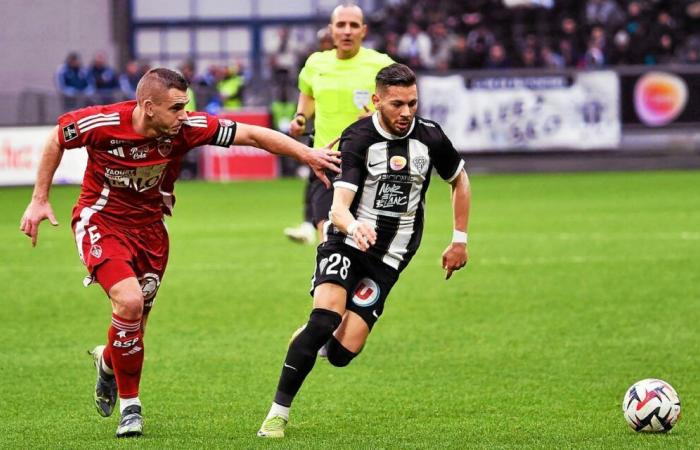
(385, 134)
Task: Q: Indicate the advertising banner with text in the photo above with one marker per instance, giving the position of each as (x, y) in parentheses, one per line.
(547, 112)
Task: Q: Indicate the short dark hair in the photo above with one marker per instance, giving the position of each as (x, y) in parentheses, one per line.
(395, 75)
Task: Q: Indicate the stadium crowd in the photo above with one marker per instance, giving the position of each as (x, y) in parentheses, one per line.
(441, 35)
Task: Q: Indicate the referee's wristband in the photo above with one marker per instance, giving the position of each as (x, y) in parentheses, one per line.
(352, 227)
(459, 237)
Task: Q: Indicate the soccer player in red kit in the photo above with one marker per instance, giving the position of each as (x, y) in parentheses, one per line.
(134, 152)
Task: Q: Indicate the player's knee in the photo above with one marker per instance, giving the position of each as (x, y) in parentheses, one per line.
(129, 304)
(338, 355)
(322, 323)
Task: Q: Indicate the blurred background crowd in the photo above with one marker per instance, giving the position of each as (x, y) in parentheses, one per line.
(434, 35)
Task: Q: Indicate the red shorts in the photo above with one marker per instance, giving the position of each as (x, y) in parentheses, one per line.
(113, 253)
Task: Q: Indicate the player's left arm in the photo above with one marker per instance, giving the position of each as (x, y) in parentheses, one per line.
(456, 254)
(280, 144)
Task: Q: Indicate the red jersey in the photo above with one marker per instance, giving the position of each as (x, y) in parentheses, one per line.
(129, 178)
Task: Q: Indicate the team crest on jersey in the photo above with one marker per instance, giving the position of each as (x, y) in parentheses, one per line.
(165, 147)
(149, 285)
(70, 132)
(96, 251)
(366, 293)
(397, 162)
(140, 152)
(420, 162)
(225, 122)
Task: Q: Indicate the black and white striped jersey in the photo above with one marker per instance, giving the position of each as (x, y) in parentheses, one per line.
(390, 176)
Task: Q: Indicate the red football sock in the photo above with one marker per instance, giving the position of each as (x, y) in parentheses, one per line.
(126, 353)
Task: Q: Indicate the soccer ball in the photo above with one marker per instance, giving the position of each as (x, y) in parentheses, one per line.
(651, 405)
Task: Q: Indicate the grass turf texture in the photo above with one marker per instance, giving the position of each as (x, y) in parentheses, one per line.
(578, 286)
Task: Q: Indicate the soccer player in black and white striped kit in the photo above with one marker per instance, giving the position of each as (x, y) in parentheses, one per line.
(375, 229)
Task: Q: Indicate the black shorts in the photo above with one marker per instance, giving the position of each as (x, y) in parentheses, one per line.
(320, 198)
(366, 279)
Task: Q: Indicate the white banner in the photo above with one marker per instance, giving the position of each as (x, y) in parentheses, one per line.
(579, 111)
(20, 153)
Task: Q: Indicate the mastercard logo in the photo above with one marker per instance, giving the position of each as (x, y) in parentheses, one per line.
(659, 98)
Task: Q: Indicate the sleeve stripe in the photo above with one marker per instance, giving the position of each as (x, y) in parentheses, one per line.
(346, 185)
(99, 124)
(459, 169)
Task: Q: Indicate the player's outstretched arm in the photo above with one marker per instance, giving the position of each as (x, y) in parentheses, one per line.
(362, 233)
(455, 256)
(39, 207)
(280, 144)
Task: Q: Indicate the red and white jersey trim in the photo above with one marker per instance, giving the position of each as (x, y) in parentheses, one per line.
(98, 120)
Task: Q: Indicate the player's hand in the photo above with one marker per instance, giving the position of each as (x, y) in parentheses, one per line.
(364, 114)
(33, 215)
(454, 258)
(298, 126)
(364, 235)
(322, 159)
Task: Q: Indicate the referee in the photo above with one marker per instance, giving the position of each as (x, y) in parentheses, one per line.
(335, 89)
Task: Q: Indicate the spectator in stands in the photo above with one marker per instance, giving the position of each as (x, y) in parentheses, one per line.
(619, 53)
(104, 81)
(231, 86)
(188, 69)
(498, 58)
(479, 40)
(72, 83)
(130, 79)
(414, 47)
(441, 43)
(459, 55)
(569, 32)
(604, 12)
(550, 58)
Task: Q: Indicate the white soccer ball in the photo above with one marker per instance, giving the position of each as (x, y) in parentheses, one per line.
(651, 405)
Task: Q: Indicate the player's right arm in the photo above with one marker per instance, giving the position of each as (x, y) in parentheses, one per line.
(39, 207)
(362, 233)
(306, 107)
(353, 170)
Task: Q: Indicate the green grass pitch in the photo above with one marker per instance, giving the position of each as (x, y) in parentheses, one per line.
(578, 285)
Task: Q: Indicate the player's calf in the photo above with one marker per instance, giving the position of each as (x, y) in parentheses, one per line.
(338, 355)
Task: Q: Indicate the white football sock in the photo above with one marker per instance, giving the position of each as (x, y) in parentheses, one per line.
(278, 410)
(126, 402)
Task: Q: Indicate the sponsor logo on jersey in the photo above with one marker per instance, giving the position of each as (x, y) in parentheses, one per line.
(149, 285)
(140, 152)
(117, 151)
(165, 147)
(119, 141)
(139, 179)
(397, 162)
(96, 251)
(392, 196)
(322, 265)
(420, 162)
(366, 293)
(70, 132)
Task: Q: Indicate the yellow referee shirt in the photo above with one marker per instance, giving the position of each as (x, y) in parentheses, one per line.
(340, 89)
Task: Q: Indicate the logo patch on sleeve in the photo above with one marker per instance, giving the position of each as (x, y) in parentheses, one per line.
(70, 132)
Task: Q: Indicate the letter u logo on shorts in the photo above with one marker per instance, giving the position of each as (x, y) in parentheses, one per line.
(366, 293)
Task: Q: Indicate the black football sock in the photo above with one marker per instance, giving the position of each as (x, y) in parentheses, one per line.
(301, 355)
